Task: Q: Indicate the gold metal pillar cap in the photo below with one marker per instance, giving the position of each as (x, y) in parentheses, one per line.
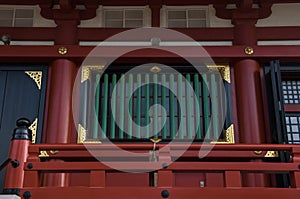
(62, 50)
(249, 50)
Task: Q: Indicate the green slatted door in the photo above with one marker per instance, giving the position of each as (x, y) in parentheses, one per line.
(129, 102)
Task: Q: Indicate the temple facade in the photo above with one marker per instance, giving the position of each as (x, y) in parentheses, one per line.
(150, 99)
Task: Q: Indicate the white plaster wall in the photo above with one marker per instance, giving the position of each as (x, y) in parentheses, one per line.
(95, 22)
(215, 21)
(39, 21)
(282, 15)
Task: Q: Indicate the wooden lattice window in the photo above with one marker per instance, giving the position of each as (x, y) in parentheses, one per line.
(208, 96)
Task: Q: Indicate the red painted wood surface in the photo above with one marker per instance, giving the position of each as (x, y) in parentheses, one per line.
(59, 122)
(249, 101)
(15, 176)
(181, 178)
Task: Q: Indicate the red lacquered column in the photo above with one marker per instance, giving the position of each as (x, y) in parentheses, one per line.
(18, 154)
(250, 110)
(249, 101)
(59, 124)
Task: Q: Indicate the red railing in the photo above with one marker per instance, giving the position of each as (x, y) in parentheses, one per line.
(234, 163)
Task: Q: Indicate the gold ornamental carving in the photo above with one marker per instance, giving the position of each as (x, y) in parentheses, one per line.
(36, 76)
(249, 50)
(87, 70)
(62, 50)
(223, 69)
(82, 137)
(43, 154)
(155, 69)
(33, 128)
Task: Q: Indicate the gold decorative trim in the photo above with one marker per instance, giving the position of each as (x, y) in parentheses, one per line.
(249, 50)
(82, 136)
(271, 154)
(86, 71)
(53, 152)
(43, 154)
(82, 133)
(257, 152)
(33, 128)
(155, 69)
(229, 136)
(224, 71)
(36, 76)
(62, 50)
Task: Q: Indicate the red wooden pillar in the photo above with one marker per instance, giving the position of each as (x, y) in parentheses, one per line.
(59, 124)
(244, 32)
(249, 101)
(250, 110)
(155, 6)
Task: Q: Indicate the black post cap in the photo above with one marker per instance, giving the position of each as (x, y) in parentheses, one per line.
(165, 193)
(26, 194)
(23, 122)
(22, 132)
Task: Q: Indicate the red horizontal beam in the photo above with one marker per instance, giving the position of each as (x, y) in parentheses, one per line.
(292, 108)
(175, 166)
(278, 33)
(78, 53)
(198, 34)
(64, 154)
(144, 146)
(154, 192)
(29, 34)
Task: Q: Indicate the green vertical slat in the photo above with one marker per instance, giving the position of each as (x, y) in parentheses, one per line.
(197, 111)
(138, 108)
(182, 107)
(155, 100)
(104, 106)
(130, 104)
(97, 101)
(189, 102)
(205, 106)
(164, 104)
(214, 106)
(122, 101)
(222, 101)
(172, 107)
(113, 107)
(84, 106)
(147, 118)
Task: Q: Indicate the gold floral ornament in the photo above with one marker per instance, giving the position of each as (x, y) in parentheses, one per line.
(249, 50)
(62, 50)
(36, 76)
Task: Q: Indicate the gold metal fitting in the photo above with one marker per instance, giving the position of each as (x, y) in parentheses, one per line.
(53, 152)
(62, 50)
(257, 152)
(249, 50)
(155, 69)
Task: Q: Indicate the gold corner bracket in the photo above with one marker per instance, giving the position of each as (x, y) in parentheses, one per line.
(87, 70)
(229, 136)
(224, 71)
(82, 137)
(33, 128)
(82, 133)
(36, 76)
(271, 154)
(43, 154)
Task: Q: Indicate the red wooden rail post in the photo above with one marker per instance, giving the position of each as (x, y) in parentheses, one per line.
(296, 175)
(18, 154)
